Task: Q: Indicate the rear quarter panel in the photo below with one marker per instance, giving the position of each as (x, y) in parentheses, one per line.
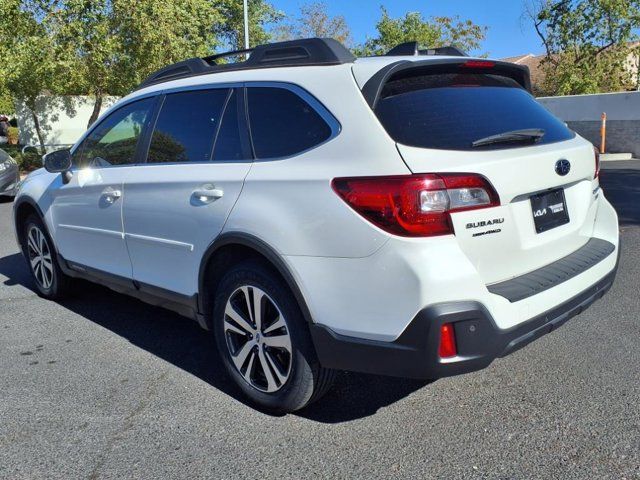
(289, 202)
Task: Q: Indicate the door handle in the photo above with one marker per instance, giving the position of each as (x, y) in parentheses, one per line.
(110, 195)
(207, 193)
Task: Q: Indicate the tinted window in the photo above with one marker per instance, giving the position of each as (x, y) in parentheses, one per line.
(450, 111)
(186, 127)
(114, 140)
(229, 142)
(282, 123)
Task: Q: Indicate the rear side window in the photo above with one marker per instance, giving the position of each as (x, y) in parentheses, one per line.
(186, 127)
(282, 123)
(452, 110)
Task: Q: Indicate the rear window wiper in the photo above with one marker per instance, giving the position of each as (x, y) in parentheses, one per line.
(515, 136)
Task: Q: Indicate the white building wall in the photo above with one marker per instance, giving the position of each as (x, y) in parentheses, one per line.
(62, 119)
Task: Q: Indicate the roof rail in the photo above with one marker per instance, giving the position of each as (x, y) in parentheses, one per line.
(304, 52)
(413, 49)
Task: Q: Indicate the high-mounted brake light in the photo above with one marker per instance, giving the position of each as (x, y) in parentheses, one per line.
(447, 347)
(478, 64)
(416, 205)
(596, 152)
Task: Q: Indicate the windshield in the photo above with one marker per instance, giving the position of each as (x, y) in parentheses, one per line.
(452, 111)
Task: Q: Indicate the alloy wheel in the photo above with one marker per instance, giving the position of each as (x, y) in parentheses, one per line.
(258, 339)
(40, 257)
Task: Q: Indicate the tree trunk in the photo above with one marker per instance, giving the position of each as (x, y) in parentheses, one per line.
(36, 123)
(97, 106)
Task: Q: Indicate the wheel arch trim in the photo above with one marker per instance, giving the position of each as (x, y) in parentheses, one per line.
(262, 248)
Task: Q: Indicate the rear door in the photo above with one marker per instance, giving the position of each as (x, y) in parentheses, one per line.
(546, 184)
(177, 203)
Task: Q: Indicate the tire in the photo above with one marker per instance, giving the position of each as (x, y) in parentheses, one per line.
(39, 251)
(267, 351)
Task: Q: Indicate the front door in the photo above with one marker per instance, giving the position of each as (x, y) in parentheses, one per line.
(177, 203)
(87, 211)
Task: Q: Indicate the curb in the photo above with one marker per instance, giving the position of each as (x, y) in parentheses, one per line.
(615, 157)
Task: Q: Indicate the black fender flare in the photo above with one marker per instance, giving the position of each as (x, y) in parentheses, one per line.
(264, 249)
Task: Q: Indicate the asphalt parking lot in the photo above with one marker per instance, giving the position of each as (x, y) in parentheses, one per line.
(103, 386)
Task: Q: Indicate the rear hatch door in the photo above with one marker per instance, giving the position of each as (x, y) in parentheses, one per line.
(479, 119)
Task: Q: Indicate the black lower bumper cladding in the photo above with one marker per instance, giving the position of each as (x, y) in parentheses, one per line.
(479, 341)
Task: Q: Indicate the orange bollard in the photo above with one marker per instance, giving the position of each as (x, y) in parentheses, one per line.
(603, 133)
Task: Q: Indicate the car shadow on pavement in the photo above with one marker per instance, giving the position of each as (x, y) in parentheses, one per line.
(621, 186)
(184, 344)
(356, 395)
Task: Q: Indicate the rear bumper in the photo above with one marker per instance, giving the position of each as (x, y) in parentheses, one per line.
(479, 340)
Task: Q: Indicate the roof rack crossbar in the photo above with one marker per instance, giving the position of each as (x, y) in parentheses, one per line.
(304, 52)
(413, 49)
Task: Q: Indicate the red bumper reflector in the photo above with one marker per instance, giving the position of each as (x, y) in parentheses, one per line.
(447, 347)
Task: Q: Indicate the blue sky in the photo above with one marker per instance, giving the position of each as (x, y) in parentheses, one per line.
(508, 33)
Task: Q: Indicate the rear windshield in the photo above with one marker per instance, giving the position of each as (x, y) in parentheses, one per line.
(450, 111)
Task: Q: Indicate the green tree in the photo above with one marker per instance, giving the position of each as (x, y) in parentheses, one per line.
(121, 42)
(6, 102)
(87, 48)
(109, 46)
(29, 68)
(431, 32)
(590, 44)
(315, 21)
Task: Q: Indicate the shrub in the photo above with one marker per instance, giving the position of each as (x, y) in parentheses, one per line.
(28, 161)
(13, 136)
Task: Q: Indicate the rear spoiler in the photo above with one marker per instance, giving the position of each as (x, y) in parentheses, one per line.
(373, 88)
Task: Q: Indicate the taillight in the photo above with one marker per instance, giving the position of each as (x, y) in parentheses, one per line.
(416, 205)
(596, 152)
(447, 347)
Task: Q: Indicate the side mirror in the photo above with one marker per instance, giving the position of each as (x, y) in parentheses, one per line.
(58, 161)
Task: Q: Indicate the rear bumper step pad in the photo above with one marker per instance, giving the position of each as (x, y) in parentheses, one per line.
(533, 283)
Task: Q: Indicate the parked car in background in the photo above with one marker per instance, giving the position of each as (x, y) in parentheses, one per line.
(4, 129)
(9, 175)
(417, 214)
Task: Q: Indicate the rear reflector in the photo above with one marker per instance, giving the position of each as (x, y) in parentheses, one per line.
(447, 348)
(416, 205)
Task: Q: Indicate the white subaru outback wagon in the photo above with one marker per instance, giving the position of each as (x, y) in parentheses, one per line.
(417, 214)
